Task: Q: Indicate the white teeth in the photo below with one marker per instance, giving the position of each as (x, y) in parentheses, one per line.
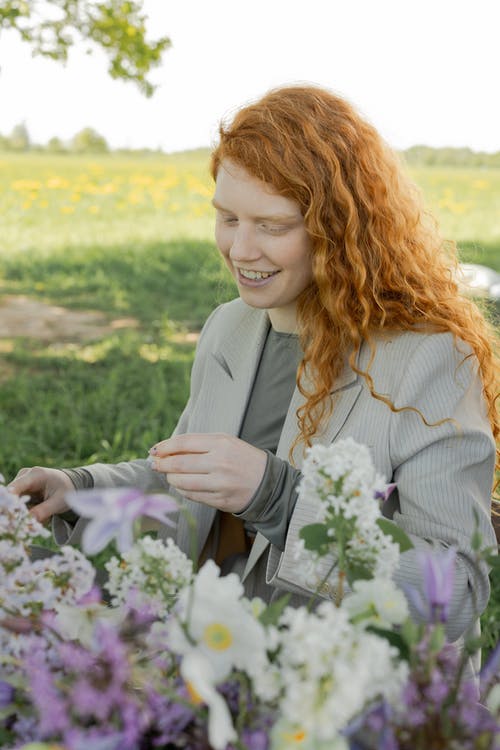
(256, 274)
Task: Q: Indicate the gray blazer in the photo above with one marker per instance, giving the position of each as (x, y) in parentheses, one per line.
(442, 472)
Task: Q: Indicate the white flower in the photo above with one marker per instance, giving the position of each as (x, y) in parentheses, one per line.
(16, 522)
(198, 673)
(341, 486)
(78, 623)
(219, 624)
(152, 571)
(330, 670)
(379, 600)
(286, 736)
(43, 584)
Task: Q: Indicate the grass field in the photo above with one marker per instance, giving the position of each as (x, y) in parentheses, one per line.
(132, 237)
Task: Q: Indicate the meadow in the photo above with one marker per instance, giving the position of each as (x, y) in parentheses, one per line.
(131, 236)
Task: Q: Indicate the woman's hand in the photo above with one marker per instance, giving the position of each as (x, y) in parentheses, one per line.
(216, 469)
(46, 487)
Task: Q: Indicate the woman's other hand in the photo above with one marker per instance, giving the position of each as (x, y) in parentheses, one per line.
(47, 489)
(216, 469)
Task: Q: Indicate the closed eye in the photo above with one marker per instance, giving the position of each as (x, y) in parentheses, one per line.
(226, 218)
(275, 228)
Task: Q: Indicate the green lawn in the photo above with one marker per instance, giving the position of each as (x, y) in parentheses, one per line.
(132, 237)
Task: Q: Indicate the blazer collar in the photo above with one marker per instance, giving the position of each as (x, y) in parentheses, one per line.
(239, 354)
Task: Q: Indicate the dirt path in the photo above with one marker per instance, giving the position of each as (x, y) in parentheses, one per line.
(25, 316)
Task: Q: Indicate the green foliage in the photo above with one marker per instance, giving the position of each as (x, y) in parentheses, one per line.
(76, 412)
(450, 157)
(397, 535)
(19, 139)
(87, 141)
(315, 536)
(116, 26)
(272, 613)
(56, 146)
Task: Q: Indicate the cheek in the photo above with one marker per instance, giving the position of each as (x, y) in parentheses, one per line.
(222, 242)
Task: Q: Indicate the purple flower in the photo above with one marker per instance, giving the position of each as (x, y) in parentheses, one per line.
(437, 689)
(386, 492)
(93, 739)
(491, 669)
(93, 596)
(415, 714)
(113, 513)
(6, 694)
(53, 711)
(256, 739)
(438, 571)
(170, 718)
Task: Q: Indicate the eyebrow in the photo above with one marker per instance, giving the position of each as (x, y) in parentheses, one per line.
(267, 217)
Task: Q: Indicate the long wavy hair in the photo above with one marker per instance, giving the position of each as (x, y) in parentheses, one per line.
(379, 262)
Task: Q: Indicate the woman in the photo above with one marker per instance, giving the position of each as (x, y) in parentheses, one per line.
(349, 323)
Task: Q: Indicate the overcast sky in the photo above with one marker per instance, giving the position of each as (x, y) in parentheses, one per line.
(422, 71)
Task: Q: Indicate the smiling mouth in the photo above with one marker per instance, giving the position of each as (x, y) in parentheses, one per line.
(256, 275)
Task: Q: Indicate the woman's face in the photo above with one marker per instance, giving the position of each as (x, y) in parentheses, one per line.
(264, 242)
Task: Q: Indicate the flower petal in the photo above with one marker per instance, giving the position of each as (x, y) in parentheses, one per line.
(197, 670)
(87, 503)
(98, 534)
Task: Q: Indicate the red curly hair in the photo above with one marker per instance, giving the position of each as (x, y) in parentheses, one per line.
(378, 259)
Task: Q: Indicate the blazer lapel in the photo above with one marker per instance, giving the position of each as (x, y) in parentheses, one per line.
(230, 371)
(344, 395)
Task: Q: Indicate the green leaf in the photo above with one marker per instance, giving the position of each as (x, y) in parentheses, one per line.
(273, 611)
(357, 571)
(394, 638)
(398, 535)
(493, 561)
(315, 537)
(472, 645)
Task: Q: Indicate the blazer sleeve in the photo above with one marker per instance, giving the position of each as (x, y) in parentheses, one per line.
(444, 472)
(443, 469)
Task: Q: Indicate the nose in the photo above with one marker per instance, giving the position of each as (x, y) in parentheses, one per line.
(244, 245)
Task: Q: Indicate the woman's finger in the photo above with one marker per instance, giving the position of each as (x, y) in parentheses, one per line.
(192, 482)
(213, 499)
(189, 443)
(183, 463)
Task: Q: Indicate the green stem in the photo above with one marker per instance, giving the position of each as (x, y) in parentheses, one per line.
(318, 588)
(339, 591)
(193, 539)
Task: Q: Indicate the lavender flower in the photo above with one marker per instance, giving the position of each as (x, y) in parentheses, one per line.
(6, 694)
(384, 493)
(54, 718)
(438, 571)
(490, 670)
(170, 718)
(113, 513)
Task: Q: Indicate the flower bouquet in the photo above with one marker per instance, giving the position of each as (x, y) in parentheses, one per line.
(168, 657)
